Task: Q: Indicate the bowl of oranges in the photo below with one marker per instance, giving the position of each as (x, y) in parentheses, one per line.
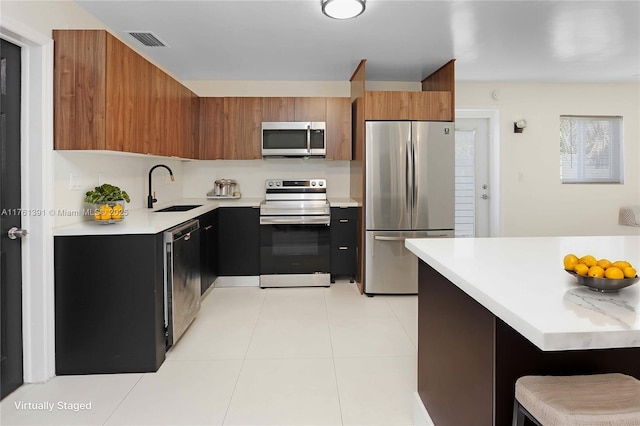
(600, 274)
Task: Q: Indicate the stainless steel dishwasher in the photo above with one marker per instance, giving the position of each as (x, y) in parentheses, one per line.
(182, 278)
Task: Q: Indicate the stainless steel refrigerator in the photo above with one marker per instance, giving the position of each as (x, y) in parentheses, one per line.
(409, 194)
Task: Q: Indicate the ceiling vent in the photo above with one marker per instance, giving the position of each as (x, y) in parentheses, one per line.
(147, 38)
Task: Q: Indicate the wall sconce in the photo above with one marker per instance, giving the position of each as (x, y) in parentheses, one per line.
(518, 126)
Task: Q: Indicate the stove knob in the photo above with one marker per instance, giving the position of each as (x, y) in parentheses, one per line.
(321, 183)
(313, 183)
(278, 183)
(270, 183)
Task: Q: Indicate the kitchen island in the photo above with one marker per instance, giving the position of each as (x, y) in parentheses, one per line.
(493, 309)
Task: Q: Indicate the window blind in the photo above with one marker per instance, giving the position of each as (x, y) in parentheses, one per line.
(590, 149)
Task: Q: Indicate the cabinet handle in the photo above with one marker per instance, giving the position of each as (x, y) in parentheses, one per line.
(343, 248)
(206, 228)
(344, 220)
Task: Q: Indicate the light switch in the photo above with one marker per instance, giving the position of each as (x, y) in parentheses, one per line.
(75, 182)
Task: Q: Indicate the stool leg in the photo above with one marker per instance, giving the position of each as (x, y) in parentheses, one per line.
(521, 417)
(518, 414)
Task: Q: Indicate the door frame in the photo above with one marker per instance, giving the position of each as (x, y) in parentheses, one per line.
(493, 115)
(38, 327)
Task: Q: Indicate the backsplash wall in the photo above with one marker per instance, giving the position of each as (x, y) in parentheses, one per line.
(130, 173)
(251, 175)
(193, 179)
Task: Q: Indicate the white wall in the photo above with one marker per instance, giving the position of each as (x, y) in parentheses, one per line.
(44, 16)
(533, 201)
(125, 171)
(251, 175)
(290, 88)
(221, 88)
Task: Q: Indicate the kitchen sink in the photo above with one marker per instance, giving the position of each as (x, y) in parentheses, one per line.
(178, 208)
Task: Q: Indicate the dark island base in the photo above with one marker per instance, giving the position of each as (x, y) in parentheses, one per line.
(463, 349)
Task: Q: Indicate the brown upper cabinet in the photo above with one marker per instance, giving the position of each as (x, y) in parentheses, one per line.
(430, 106)
(108, 97)
(242, 128)
(386, 105)
(310, 109)
(294, 109)
(231, 127)
(278, 109)
(338, 133)
(211, 144)
(392, 105)
(436, 101)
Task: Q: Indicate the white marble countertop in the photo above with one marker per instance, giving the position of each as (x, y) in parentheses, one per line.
(522, 281)
(147, 221)
(342, 202)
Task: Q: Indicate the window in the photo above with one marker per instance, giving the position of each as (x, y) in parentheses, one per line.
(590, 149)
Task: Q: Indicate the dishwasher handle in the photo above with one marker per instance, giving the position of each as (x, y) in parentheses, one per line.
(182, 231)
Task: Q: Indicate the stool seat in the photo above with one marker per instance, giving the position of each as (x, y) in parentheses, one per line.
(598, 399)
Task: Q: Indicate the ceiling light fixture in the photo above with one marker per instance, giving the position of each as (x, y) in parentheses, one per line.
(342, 9)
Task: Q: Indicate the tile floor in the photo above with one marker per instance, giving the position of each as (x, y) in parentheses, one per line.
(254, 357)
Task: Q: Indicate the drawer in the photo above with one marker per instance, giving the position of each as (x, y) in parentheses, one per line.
(343, 260)
(343, 235)
(344, 215)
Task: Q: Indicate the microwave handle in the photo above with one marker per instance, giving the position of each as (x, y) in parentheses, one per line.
(309, 138)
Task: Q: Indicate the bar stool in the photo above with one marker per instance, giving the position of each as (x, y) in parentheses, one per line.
(598, 399)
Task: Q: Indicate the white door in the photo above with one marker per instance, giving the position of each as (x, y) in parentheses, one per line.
(473, 191)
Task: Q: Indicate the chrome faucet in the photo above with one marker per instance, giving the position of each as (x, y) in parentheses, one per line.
(152, 198)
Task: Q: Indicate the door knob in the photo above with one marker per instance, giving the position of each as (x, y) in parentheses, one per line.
(484, 196)
(17, 233)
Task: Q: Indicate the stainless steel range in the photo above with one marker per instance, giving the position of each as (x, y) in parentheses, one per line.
(294, 234)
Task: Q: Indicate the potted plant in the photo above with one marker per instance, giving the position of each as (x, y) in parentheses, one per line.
(108, 201)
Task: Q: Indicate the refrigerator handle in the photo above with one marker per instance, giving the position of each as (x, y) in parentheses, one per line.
(409, 176)
(414, 218)
(383, 238)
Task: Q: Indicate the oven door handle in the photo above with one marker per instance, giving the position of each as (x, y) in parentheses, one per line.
(295, 220)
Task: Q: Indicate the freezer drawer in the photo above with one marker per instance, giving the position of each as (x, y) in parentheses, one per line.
(389, 267)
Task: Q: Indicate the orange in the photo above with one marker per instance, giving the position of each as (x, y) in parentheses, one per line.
(105, 212)
(588, 260)
(116, 213)
(603, 263)
(614, 273)
(581, 269)
(596, 272)
(570, 261)
(629, 272)
(621, 264)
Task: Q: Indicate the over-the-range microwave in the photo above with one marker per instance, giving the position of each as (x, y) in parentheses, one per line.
(294, 139)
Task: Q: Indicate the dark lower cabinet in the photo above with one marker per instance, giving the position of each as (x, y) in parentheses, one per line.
(208, 249)
(239, 241)
(109, 304)
(344, 238)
